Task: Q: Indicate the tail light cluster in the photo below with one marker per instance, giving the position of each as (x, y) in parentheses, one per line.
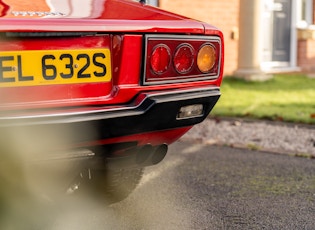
(172, 59)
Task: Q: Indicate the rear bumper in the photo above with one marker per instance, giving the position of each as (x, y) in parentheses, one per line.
(148, 112)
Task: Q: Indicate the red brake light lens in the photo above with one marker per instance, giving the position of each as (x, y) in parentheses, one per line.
(183, 58)
(160, 59)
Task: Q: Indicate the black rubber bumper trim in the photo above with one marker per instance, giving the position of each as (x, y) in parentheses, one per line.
(156, 111)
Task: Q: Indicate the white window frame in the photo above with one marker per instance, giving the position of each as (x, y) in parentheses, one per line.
(153, 2)
(304, 19)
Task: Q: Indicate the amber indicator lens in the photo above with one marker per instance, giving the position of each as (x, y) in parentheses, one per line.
(206, 58)
(184, 58)
(160, 59)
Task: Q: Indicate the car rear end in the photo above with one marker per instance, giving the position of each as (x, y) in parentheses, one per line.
(113, 87)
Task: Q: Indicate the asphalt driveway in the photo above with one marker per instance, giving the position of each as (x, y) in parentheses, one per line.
(201, 186)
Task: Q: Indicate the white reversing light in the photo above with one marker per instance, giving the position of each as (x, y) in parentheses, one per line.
(190, 111)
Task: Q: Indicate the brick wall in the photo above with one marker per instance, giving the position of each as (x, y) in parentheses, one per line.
(223, 14)
(306, 55)
(306, 50)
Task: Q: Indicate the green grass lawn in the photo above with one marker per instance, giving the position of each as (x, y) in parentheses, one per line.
(284, 97)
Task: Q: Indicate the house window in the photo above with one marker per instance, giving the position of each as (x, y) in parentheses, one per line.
(304, 13)
(153, 2)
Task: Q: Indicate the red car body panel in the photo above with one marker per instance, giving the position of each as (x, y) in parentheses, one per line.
(119, 26)
(154, 138)
(103, 15)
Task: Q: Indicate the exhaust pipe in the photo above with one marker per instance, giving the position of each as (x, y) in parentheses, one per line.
(147, 155)
(159, 154)
(144, 154)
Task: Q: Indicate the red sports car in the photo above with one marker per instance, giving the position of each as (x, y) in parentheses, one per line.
(100, 89)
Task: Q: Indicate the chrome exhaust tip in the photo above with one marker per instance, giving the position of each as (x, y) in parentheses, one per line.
(158, 154)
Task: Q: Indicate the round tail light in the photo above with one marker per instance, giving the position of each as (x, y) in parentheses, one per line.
(183, 58)
(160, 59)
(206, 58)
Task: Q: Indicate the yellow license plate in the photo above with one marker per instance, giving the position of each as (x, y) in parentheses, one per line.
(49, 67)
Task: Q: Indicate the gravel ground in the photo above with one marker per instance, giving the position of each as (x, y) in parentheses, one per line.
(278, 137)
